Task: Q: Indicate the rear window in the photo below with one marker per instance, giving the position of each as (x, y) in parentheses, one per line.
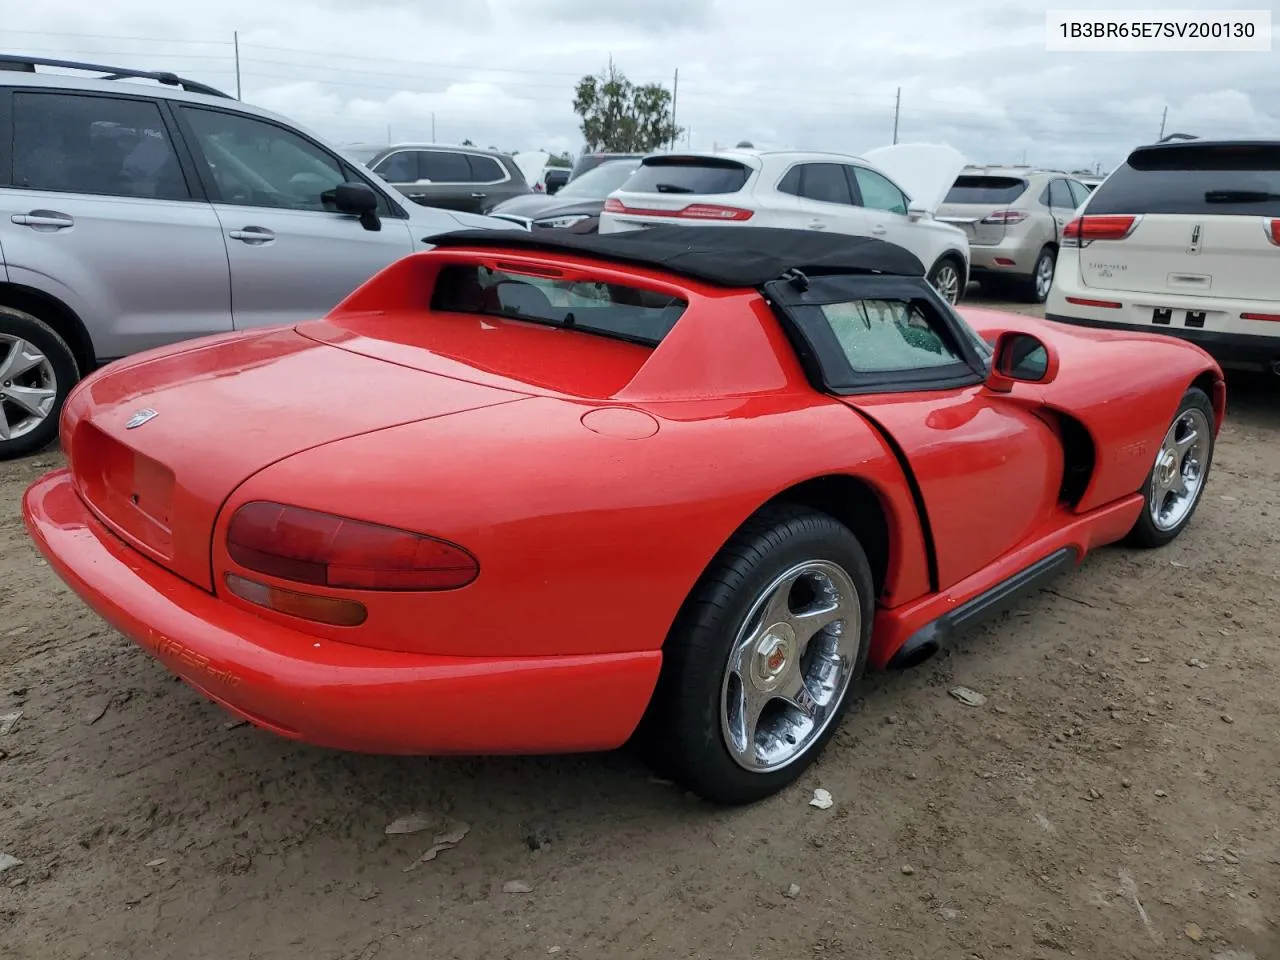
(1197, 179)
(688, 175)
(624, 313)
(986, 190)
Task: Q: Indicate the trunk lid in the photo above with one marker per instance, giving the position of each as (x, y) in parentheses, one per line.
(679, 189)
(1203, 215)
(974, 198)
(157, 446)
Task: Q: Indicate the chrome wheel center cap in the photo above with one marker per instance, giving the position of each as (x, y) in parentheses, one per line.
(1168, 469)
(775, 655)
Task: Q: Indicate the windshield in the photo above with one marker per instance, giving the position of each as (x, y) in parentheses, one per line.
(599, 183)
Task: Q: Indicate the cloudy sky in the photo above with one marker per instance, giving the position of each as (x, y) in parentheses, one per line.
(810, 74)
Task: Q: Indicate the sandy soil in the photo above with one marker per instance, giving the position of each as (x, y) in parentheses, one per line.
(1116, 796)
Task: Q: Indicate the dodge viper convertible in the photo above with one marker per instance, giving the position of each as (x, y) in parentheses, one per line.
(528, 493)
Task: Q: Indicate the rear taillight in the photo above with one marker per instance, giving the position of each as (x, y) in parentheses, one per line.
(1270, 317)
(1087, 302)
(1273, 232)
(694, 211)
(307, 546)
(1007, 217)
(1082, 231)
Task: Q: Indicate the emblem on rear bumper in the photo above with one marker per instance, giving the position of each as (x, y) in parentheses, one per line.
(141, 417)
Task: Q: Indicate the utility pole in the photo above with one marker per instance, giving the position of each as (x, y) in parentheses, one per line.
(675, 93)
(433, 126)
(236, 37)
(1163, 117)
(897, 109)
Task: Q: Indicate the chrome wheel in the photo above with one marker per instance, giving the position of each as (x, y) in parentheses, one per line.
(1178, 476)
(28, 387)
(1044, 276)
(790, 665)
(947, 282)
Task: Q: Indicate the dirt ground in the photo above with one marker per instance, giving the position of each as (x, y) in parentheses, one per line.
(1115, 797)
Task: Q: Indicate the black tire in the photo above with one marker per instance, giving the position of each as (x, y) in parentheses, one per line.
(1032, 291)
(1146, 533)
(935, 275)
(16, 324)
(682, 728)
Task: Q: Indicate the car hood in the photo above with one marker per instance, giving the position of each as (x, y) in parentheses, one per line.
(926, 171)
(539, 205)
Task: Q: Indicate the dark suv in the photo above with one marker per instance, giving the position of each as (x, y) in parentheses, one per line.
(455, 178)
(589, 161)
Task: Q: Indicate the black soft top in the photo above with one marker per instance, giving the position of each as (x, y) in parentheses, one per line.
(721, 256)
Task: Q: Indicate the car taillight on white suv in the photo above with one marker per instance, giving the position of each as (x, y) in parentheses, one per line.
(694, 211)
(1273, 232)
(1084, 230)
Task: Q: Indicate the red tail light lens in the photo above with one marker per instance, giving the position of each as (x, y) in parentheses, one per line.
(1273, 232)
(694, 211)
(307, 546)
(1007, 217)
(1084, 230)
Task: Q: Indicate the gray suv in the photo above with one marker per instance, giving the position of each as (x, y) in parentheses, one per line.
(138, 209)
(456, 178)
(1014, 219)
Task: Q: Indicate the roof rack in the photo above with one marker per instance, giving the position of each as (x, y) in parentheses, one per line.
(24, 64)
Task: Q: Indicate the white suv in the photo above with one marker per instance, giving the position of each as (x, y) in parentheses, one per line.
(1182, 239)
(889, 194)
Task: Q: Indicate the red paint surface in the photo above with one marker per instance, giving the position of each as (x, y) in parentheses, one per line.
(593, 480)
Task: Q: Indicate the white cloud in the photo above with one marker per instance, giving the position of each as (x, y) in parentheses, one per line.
(809, 73)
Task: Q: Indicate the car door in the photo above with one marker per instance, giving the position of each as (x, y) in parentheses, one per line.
(823, 199)
(444, 180)
(100, 212)
(492, 182)
(885, 208)
(292, 255)
(1062, 205)
(987, 468)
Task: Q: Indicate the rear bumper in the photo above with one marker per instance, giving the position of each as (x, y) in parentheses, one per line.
(1237, 350)
(1012, 256)
(333, 694)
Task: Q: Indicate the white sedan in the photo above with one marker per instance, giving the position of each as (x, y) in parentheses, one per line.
(889, 193)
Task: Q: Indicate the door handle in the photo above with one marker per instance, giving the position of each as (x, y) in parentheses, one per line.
(254, 235)
(43, 218)
(816, 224)
(478, 196)
(879, 231)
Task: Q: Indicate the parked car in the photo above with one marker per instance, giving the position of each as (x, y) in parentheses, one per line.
(1182, 239)
(454, 178)
(764, 459)
(1014, 221)
(589, 161)
(809, 191)
(133, 214)
(1090, 182)
(578, 204)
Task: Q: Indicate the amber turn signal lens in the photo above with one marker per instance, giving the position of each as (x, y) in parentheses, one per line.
(331, 610)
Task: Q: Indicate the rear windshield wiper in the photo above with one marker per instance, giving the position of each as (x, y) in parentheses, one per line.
(671, 188)
(1239, 196)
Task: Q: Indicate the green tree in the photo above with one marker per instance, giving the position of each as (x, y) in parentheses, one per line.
(466, 143)
(559, 159)
(620, 117)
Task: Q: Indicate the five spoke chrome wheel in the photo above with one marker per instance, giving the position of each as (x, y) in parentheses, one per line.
(947, 282)
(1178, 476)
(28, 387)
(1044, 277)
(790, 665)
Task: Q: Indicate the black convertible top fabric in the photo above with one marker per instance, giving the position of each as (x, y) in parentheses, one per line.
(721, 256)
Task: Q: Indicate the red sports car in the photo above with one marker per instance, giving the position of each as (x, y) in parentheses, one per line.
(537, 493)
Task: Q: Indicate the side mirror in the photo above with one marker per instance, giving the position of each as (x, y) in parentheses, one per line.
(356, 199)
(917, 213)
(1021, 358)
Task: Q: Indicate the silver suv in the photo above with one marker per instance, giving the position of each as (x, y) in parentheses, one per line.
(1014, 218)
(137, 209)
